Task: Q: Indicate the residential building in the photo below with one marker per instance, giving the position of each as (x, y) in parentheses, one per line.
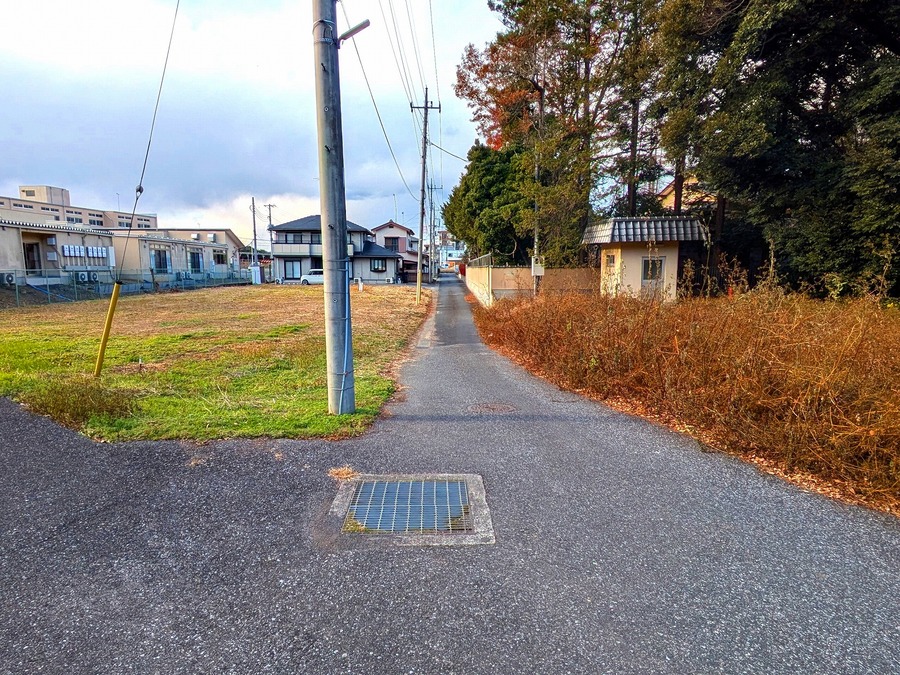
(403, 241)
(645, 256)
(297, 248)
(693, 196)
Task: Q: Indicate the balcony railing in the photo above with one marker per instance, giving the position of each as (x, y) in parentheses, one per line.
(302, 250)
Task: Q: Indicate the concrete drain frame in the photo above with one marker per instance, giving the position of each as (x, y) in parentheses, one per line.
(477, 529)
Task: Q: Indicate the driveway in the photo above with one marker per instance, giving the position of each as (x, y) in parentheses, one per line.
(620, 547)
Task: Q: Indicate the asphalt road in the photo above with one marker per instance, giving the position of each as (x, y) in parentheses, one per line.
(620, 547)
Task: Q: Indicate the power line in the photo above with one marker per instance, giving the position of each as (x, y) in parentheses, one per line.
(375, 105)
(447, 152)
(139, 190)
(406, 89)
(412, 32)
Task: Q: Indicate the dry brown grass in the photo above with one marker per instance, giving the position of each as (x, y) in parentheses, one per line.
(804, 387)
(342, 473)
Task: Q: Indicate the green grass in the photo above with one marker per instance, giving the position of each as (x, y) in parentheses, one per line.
(218, 363)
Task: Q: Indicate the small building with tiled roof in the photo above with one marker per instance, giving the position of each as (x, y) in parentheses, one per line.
(644, 255)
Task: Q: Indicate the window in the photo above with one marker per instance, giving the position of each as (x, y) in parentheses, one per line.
(95, 222)
(610, 260)
(652, 269)
(392, 243)
(29, 193)
(160, 260)
(73, 219)
(292, 269)
(378, 265)
(219, 258)
(195, 260)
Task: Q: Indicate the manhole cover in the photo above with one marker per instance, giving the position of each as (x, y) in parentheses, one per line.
(409, 506)
(488, 408)
(413, 510)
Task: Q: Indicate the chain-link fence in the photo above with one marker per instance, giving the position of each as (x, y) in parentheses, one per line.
(21, 287)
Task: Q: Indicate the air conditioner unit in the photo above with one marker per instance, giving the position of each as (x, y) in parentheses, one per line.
(82, 277)
(94, 276)
(9, 279)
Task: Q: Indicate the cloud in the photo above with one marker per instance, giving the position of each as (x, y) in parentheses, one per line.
(237, 113)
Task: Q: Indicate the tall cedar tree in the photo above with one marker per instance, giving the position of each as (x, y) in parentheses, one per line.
(790, 108)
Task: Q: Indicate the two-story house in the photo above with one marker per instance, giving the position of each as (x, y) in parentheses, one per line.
(297, 249)
(402, 240)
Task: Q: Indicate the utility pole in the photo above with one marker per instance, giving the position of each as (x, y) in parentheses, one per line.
(431, 231)
(333, 204)
(426, 108)
(254, 260)
(271, 255)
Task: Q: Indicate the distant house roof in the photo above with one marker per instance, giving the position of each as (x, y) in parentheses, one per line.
(373, 250)
(391, 223)
(313, 224)
(665, 228)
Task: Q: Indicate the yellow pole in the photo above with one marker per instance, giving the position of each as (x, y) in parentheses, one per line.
(109, 317)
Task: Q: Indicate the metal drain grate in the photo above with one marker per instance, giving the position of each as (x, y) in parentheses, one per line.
(409, 506)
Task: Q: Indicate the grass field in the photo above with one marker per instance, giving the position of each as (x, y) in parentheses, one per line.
(218, 363)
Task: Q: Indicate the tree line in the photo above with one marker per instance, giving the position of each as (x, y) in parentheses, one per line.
(776, 120)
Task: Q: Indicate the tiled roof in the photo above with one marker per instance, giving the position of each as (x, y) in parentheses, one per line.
(373, 250)
(312, 224)
(665, 228)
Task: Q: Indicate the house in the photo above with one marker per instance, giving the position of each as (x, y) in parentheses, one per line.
(402, 240)
(51, 254)
(645, 256)
(297, 248)
(694, 196)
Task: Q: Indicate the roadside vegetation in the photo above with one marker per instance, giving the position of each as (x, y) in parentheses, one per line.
(218, 363)
(808, 389)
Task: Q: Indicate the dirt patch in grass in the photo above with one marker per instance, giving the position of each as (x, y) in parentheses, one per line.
(804, 389)
(217, 363)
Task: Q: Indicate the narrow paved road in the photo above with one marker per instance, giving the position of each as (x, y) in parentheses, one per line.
(620, 547)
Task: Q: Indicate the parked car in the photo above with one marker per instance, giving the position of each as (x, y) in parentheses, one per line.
(313, 277)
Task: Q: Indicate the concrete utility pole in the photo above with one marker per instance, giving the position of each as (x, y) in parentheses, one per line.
(332, 198)
(271, 256)
(426, 108)
(431, 233)
(254, 259)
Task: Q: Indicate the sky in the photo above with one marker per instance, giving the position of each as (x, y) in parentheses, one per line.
(236, 115)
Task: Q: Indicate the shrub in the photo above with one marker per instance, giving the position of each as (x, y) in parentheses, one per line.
(811, 385)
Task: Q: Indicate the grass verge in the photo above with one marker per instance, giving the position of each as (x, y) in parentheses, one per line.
(807, 389)
(207, 364)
